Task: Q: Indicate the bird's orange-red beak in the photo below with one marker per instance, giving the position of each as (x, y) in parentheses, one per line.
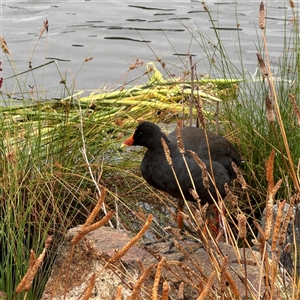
(128, 142)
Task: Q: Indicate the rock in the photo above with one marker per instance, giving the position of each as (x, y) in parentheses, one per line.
(73, 270)
(71, 273)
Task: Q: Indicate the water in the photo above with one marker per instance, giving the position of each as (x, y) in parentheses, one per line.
(116, 33)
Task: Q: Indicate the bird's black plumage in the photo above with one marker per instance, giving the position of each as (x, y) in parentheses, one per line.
(158, 173)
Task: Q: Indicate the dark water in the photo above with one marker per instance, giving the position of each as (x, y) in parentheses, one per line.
(116, 33)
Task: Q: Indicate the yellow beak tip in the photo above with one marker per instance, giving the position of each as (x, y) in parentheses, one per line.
(123, 146)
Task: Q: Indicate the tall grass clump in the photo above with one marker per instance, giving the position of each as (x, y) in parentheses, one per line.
(264, 116)
(45, 189)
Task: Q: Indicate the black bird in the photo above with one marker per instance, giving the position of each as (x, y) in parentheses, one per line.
(158, 173)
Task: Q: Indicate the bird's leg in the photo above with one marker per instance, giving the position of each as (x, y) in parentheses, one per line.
(180, 205)
(180, 224)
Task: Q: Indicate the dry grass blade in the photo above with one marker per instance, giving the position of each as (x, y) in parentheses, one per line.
(157, 279)
(179, 139)
(88, 59)
(32, 259)
(96, 209)
(296, 108)
(276, 187)
(239, 175)
(167, 151)
(262, 65)
(194, 194)
(202, 165)
(223, 282)
(119, 294)
(208, 286)
(48, 241)
(174, 231)
(200, 114)
(270, 171)
(88, 292)
(242, 222)
(21, 286)
(262, 238)
(262, 15)
(4, 45)
(227, 280)
(230, 197)
(242, 230)
(277, 226)
(287, 248)
(140, 282)
(270, 196)
(135, 239)
(181, 291)
(27, 280)
(292, 4)
(269, 216)
(84, 230)
(270, 113)
(288, 217)
(180, 248)
(200, 215)
(165, 292)
(45, 27)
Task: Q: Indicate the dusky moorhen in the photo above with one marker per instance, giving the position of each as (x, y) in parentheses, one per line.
(158, 173)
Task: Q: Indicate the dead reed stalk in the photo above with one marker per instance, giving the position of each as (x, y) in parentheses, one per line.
(201, 164)
(157, 279)
(295, 107)
(239, 175)
(88, 227)
(277, 226)
(88, 292)
(165, 292)
(226, 279)
(230, 197)
(262, 16)
(287, 219)
(270, 170)
(179, 139)
(119, 294)
(181, 291)
(96, 209)
(270, 113)
(200, 114)
(270, 195)
(84, 230)
(167, 151)
(263, 67)
(208, 286)
(4, 45)
(242, 222)
(44, 28)
(137, 287)
(134, 240)
(34, 265)
(242, 230)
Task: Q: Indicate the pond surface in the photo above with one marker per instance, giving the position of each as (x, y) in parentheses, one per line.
(117, 33)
